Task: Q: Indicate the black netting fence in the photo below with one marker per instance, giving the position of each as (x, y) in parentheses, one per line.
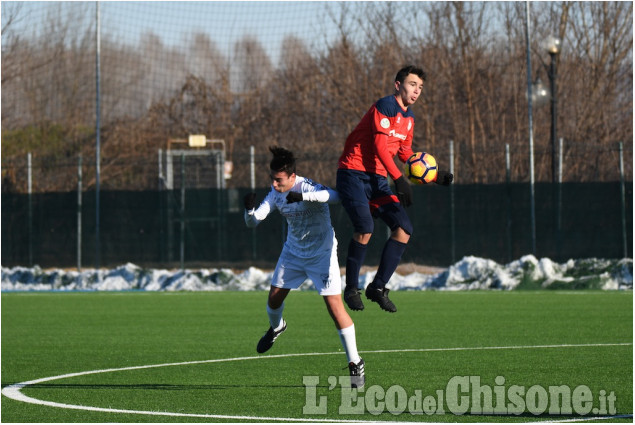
(205, 227)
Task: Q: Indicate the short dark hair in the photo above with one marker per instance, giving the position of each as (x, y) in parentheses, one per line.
(410, 69)
(283, 160)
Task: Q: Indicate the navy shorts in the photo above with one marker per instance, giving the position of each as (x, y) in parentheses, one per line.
(365, 196)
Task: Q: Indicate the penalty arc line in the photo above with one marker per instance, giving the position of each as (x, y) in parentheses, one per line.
(591, 418)
(14, 391)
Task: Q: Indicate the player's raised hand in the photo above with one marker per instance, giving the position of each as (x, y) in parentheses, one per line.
(294, 197)
(444, 178)
(250, 201)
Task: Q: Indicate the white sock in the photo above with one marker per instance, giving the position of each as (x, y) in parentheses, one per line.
(275, 317)
(347, 335)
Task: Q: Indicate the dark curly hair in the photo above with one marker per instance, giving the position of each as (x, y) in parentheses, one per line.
(410, 69)
(283, 160)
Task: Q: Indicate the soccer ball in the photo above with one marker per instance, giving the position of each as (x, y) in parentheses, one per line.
(421, 168)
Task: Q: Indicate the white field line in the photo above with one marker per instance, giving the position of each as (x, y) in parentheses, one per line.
(592, 418)
(14, 391)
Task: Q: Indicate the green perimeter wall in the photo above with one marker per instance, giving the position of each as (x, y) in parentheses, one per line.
(145, 228)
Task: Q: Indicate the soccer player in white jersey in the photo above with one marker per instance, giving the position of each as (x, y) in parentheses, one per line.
(310, 251)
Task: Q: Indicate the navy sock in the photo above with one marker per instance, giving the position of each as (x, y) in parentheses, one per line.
(354, 261)
(390, 258)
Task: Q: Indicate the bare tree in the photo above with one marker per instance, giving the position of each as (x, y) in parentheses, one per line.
(475, 94)
(12, 16)
(252, 66)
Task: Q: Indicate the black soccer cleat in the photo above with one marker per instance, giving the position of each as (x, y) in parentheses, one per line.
(353, 299)
(380, 296)
(358, 379)
(267, 340)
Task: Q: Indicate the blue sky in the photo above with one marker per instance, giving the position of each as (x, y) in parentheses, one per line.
(224, 21)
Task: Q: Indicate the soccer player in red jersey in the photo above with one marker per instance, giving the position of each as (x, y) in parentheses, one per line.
(385, 130)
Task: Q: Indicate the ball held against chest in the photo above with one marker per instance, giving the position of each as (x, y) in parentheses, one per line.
(421, 168)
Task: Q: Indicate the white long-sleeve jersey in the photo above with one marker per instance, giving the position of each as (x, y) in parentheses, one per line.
(310, 231)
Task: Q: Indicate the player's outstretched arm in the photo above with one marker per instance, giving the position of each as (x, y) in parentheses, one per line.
(324, 195)
(253, 215)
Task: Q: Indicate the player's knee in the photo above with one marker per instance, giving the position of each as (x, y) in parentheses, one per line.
(402, 227)
(362, 238)
(400, 235)
(276, 297)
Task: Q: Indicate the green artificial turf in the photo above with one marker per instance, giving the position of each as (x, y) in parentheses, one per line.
(498, 340)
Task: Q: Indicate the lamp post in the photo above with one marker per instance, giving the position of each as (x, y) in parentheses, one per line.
(552, 45)
(530, 119)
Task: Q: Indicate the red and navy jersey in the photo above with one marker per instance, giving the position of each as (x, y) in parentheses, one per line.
(385, 131)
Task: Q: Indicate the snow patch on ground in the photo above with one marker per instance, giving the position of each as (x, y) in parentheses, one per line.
(470, 273)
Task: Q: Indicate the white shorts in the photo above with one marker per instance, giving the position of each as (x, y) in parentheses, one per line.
(324, 271)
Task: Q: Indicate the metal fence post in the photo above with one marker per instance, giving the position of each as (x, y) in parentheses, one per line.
(559, 202)
(220, 205)
(452, 211)
(97, 142)
(182, 247)
(508, 181)
(30, 205)
(252, 168)
(623, 201)
(79, 214)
